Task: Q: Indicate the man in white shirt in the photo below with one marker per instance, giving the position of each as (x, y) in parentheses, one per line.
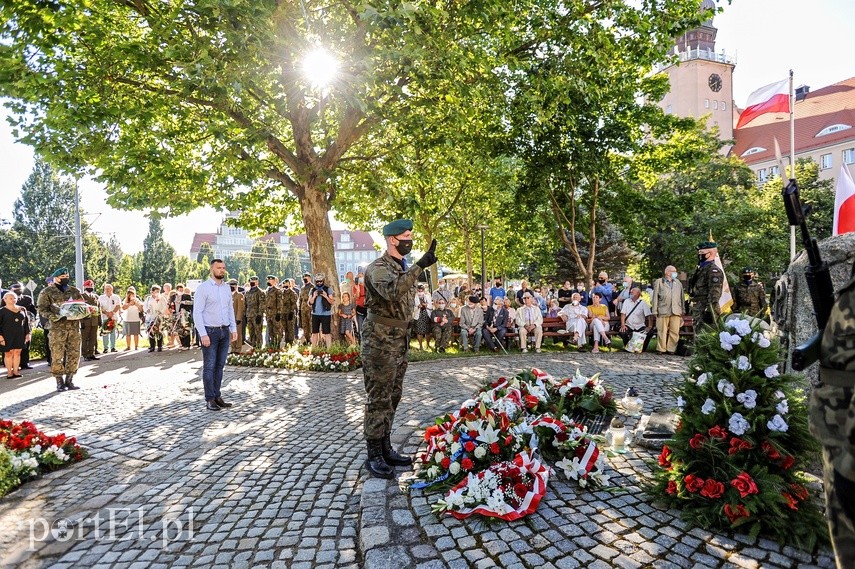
(110, 304)
(529, 321)
(635, 316)
(471, 323)
(154, 308)
(575, 317)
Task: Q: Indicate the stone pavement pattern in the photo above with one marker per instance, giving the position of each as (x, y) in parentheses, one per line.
(276, 481)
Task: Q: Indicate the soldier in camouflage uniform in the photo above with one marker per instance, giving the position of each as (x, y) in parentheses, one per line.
(832, 421)
(254, 298)
(89, 326)
(273, 312)
(304, 308)
(705, 286)
(64, 334)
(289, 311)
(239, 306)
(749, 296)
(390, 290)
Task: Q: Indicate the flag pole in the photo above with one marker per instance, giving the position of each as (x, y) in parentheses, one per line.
(792, 159)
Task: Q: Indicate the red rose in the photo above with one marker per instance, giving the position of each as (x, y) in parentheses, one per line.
(469, 446)
(693, 483)
(473, 434)
(665, 458)
(671, 488)
(770, 450)
(466, 464)
(509, 440)
(791, 502)
(561, 437)
(494, 448)
(446, 462)
(606, 399)
(733, 513)
(697, 441)
(531, 401)
(520, 489)
(712, 489)
(431, 431)
(788, 462)
(737, 444)
(718, 432)
(744, 484)
(575, 391)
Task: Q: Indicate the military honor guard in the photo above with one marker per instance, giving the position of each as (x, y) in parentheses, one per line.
(255, 298)
(64, 333)
(749, 296)
(705, 286)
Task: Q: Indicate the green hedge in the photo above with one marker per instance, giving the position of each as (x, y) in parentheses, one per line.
(38, 344)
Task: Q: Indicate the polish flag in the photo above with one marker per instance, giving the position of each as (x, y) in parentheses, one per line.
(844, 203)
(774, 98)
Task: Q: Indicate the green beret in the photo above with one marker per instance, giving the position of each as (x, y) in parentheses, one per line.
(397, 227)
(707, 245)
(747, 270)
(60, 271)
(232, 281)
(253, 279)
(271, 277)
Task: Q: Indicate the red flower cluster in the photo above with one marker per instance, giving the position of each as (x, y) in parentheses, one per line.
(734, 513)
(744, 484)
(718, 432)
(21, 437)
(737, 444)
(709, 488)
(665, 458)
(697, 441)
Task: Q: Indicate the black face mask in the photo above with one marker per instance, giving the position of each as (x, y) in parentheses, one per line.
(601, 280)
(252, 285)
(404, 246)
(747, 278)
(234, 288)
(64, 282)
(319, 283)
(305, 280)
(89, 289)
(702, 257)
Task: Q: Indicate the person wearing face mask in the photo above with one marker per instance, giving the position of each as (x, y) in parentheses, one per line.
(604, 288)
(359, 302)
(154, 308)
(254, 300)
(624, 292)
(635, 316)
(749, 296)
(705, 287)
(497, 291)
(25, 302)
(289, 311)
(585, 298)
(305, 311)
(442, 320)
(390, 290)
(495, 325)
(239, 306)
(321, 301)
(667, 306)
(471, 322)
(565, 294)
(575, 317)
(64, 333)
(89, 326)
(273, 312)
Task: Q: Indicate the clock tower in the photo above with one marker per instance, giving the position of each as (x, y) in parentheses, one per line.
(701, 79)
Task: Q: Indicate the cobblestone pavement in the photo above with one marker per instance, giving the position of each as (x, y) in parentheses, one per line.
(276, 481)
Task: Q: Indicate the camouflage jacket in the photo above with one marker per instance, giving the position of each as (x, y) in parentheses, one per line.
(255, 301)
(749, 298)
(837, 350)
(51, 298)
(303, 301)
(289, 302)
(390, 291)
(706, 285)
(272, 301)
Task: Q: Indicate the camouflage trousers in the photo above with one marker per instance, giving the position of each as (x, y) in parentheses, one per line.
(829, 410)
(254, 330)
(306, 324)
(702, 316)
(274, 333)
(289, 331)
(64, 341)
(441, 336)
(384, 363)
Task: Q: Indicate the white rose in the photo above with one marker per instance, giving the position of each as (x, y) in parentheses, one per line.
(454, 468)
(437, 458)
(702, 379)
(708, 406)
(771, 371)
(738, 424)
(480, 452)
(783, 407)
(777, 423)
(455, 448)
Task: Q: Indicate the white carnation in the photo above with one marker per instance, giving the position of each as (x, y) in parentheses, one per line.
(761, 340)
(783, 407)
(771, 371)
(480, 452)
(454, 468)
(738, 424)
(708, 406)
(681, 402)
(740, 326)
(702, 379)
(779, 394)
(777, 423)
(748, 399)
(726, 388)
(742, 363)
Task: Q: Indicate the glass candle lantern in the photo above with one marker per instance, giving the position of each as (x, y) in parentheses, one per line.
(617, 434)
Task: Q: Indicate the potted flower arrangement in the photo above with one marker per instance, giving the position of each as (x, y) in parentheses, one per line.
(736, 458)
(337, 358)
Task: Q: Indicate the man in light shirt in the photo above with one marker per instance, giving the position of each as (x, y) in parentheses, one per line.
(667, 300)
(529, 321)
(635, 316)
(214, 319)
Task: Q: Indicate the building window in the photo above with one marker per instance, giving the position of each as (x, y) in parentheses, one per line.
(825, 162)
(849, 156)
(706, 103)
(833, 128)
(715, 105)
(753, 150)
(668, 110)
(761, 175)
(774, 171)
(723, 106)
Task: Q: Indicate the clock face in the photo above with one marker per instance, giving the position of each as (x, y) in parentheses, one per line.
(714, 82)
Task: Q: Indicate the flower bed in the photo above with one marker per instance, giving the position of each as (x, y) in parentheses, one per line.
(26, 453)
(489, 451)
(735, 461)
(300, 358)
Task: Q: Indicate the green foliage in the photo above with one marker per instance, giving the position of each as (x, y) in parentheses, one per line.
(735, 459)
(38, 344)
(9, 479)
(205, 254)
(158, 265)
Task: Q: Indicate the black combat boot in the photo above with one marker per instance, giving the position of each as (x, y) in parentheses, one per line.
(391, 456)
(60, 385)
(375, 463)
(69, 385)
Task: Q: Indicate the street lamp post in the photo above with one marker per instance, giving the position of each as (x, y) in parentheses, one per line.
(483, 263)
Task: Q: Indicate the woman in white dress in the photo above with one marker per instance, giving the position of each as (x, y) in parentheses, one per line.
(133, 309)
(575, 317)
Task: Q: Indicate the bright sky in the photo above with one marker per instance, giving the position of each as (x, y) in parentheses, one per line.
(768, 38)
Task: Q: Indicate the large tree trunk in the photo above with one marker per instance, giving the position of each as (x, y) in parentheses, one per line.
(315, 211)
